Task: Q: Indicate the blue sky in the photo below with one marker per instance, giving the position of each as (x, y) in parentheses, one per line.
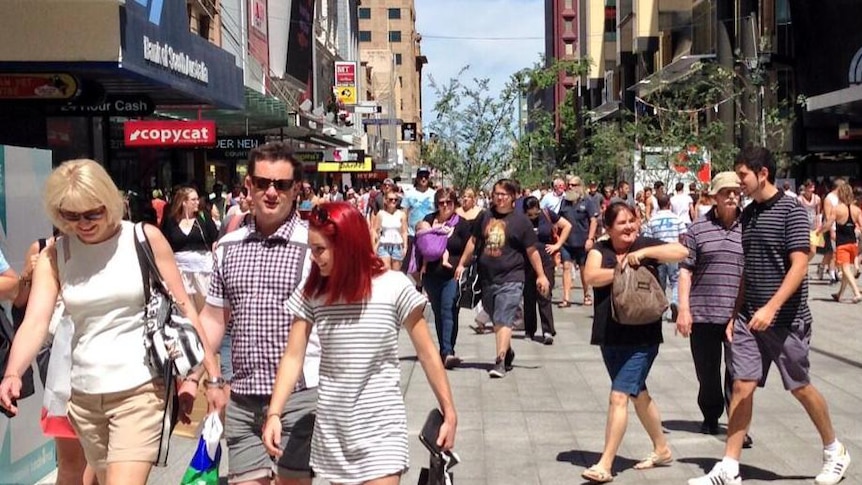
(493, 59)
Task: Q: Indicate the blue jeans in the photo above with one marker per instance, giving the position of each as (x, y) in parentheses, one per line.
(443, 294)
(668, 278)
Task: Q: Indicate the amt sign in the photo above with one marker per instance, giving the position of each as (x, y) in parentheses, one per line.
(154, 9)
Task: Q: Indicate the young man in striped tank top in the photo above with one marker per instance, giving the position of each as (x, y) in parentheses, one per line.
(772, 322)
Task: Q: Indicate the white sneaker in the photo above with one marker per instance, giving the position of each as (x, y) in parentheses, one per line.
(717, 476)
(834, 467)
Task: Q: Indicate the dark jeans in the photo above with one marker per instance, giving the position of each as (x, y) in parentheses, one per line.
(532, 297)
(443, 294)
(707, 342)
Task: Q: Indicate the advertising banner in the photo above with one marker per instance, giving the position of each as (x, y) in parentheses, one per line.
(26, 455)
(169, 133)
(235, 147)
(345, 82)
(300, 42)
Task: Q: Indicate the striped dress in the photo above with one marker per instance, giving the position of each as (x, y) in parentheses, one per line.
(361, 428)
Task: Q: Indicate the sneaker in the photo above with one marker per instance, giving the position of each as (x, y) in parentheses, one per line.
(747, 442)
(709, 427)
(510, 357)
(834, 467)
(499, 369)
(717, 476)
(548, 339)
(451, 361)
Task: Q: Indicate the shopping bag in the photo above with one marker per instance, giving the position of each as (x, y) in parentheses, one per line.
(440, 462)
(203, 469)
(816, 238)
(58, 382)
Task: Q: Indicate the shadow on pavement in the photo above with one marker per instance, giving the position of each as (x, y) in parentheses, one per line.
(682, 425)
(748, 472)
(586, 459)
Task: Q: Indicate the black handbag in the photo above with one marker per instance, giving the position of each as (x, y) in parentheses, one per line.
(438, 471)
(7, 335)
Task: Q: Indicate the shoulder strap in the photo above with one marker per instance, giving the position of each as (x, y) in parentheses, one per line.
(147, 261)
(42, 243)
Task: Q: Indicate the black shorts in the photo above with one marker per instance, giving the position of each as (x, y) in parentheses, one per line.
(578, 254)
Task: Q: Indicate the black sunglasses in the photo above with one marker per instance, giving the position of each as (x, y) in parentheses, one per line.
(445, 202)
(281, 185)
(90, 215)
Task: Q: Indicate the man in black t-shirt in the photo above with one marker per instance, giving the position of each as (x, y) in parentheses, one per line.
(506, 243)
(772, 322)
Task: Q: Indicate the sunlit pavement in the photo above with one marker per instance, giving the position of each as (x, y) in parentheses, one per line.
(544, 422)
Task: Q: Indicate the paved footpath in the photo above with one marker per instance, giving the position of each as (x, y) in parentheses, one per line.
(544, 423)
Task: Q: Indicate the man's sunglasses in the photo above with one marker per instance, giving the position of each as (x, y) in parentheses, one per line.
(90, 215)
(391, 200)
(281, 185)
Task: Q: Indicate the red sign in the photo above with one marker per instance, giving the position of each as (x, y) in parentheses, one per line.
(37, 86)
(169, 133)
(345, 73)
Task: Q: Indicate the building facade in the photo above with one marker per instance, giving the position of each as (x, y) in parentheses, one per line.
(390, 49)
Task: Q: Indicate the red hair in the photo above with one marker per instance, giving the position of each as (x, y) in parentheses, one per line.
(354, 262)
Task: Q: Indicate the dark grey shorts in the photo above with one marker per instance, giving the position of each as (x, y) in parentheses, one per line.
(247, 457)
(501, 302)
(753, 352)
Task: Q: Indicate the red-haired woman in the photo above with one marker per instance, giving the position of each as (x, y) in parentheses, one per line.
(358, 307)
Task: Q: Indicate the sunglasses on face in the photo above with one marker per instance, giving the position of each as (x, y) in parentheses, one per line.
(445, 202)
(281, 185)
(90, 215)
(391, 200)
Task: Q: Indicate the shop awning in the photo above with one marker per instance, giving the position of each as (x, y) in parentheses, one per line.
(678, 70)
(261, 113)
(846, 103)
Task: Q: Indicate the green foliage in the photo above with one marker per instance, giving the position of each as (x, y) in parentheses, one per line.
(473, 133)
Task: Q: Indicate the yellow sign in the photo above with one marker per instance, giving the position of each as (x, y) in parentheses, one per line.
(364, 166)
(346, 94)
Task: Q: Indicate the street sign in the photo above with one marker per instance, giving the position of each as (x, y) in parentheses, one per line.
(383, 121)
(364, 166)
(367, 110)
(346, 94)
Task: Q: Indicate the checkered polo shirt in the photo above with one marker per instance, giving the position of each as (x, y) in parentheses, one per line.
(254, 275)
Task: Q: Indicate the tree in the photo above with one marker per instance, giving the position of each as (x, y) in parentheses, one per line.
(473, 135)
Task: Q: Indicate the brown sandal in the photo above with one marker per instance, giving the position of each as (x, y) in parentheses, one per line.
(653, 460)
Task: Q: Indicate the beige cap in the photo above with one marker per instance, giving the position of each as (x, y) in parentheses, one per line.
(723, 180)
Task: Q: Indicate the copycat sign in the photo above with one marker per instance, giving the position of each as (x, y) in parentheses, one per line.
(169, 133)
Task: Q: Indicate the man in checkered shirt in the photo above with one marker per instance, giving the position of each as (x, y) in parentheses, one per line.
(256, 269)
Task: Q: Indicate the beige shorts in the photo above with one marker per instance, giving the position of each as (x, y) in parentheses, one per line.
(119, 426)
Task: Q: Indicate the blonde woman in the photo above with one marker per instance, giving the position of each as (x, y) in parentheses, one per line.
(191, 235)
(117, 403)
(469, 209)
(389, 232)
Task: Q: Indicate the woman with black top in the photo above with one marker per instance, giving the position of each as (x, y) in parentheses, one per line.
(627, 350)
(847, 217)
(439, 280)
(191, 234)
(545, 224)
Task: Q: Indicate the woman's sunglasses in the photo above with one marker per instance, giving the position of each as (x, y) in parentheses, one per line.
(392, 200)
(445, 202)
(318, 216)
(90, 215)
(281, 185)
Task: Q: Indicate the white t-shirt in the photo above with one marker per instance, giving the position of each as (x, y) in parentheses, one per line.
(680, 204)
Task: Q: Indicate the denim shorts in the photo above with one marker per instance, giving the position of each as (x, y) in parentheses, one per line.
(501, 302)
(629, 367)
(393, 251)
(576, 254)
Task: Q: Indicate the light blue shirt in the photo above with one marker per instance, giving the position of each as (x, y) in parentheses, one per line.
(420, 204)
(4, 265)
(665, 225)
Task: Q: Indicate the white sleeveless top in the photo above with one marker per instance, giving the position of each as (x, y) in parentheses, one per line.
(104, 296)
(390, 227)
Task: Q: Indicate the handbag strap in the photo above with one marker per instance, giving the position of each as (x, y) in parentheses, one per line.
(147, 260)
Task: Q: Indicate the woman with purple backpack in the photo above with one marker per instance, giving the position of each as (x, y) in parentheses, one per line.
(441, 245)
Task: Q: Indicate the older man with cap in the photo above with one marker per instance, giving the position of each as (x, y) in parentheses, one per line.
(708, 284)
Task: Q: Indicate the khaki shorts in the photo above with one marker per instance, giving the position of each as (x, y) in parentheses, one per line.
(119, 426)
(196, 283)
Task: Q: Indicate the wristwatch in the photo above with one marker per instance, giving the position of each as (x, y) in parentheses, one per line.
(218, 382)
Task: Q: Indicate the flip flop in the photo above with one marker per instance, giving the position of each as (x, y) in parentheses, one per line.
(564, 304)
(588, 301)
(653, 460)
(597, 475)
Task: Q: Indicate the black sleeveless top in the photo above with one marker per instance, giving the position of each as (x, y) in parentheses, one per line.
(845, 233)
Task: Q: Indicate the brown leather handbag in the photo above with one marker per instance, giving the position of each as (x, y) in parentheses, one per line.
(636, 296)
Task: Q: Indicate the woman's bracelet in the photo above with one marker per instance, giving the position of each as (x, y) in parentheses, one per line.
(269, 415)
(192, 379)
(16, 376)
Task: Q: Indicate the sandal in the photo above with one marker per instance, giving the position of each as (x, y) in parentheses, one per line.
(564, 304)
(597, 475)
(836, 297)
(588, 300)
(653, 460)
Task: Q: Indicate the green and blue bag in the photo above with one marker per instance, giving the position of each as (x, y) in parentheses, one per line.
(203, 469)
